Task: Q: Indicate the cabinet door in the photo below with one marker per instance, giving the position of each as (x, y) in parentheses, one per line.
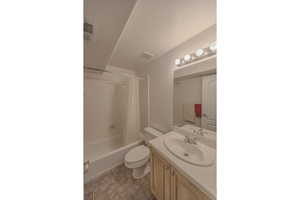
(157, 177)
(184, 190)
(160, 178)
(167, 182)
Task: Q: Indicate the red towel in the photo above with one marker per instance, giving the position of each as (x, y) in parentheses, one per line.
(198, 110)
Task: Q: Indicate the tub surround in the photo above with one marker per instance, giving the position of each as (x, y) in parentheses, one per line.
(203, 178)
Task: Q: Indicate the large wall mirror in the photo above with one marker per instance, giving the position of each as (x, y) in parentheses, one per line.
(195, 95)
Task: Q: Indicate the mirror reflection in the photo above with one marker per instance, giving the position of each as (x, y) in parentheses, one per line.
(195, 99)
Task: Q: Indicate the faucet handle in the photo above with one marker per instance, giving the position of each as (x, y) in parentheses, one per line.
(200, 131)
(186, 139)
(195, 132)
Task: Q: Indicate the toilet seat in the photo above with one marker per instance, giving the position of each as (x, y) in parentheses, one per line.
(137, 156)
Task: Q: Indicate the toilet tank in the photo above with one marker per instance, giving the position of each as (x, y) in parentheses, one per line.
(150, 133)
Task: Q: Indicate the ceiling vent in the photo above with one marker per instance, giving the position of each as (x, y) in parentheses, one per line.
(147, 55)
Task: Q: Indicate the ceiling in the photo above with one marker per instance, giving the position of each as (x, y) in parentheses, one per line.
(124, 30)
(108, 18)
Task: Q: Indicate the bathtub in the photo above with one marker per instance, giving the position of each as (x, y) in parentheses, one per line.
(106, 162)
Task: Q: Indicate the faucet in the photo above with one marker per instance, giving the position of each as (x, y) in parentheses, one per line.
(193, 139)
(190, 140)
(199, 132)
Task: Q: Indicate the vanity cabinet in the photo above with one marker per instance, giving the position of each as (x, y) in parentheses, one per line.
(158, 168)
(168, 184)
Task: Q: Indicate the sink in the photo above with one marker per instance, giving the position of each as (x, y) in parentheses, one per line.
(208, 138)
(197, 154)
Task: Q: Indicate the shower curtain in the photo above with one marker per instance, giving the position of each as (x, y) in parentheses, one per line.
(132, 117)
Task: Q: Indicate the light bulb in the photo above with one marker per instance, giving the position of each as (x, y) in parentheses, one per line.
(187, 57)
(199, 52)
(213, 46)
(177, 61)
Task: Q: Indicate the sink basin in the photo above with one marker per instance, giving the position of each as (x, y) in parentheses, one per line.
(198, 154)
(208, 138)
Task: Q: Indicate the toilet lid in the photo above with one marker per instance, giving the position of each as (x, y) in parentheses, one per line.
(138, 153)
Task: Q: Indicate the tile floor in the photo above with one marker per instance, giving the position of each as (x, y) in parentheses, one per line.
(118, 184)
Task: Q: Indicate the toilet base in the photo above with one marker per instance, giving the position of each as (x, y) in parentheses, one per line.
(142, 171)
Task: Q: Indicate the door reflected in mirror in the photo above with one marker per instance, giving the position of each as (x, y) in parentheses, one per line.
(195, 100)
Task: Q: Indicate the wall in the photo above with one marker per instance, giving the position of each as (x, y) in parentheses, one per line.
(143, 92)
(161, 76)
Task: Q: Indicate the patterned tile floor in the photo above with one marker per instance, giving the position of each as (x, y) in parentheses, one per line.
(118, 184)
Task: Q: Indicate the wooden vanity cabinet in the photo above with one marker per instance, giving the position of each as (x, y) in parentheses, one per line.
(157, 177)
(169, 184)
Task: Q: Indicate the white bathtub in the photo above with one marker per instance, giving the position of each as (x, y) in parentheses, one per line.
(108, 161)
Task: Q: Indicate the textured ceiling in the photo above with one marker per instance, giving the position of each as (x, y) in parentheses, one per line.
(124, 29)
(108, 18)
(157, 26)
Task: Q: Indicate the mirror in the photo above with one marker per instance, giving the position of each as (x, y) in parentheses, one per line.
(195, 95)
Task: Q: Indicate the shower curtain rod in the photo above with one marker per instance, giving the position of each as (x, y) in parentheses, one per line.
(94, 68)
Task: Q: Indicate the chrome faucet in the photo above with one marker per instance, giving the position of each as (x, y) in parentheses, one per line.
(190, 140)
(193, 139)
(200, 132)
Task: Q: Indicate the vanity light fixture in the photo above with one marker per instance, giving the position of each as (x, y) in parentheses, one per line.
(199, 52)
(187, 57)
(177, 61)
(197, 55)
(213, 46)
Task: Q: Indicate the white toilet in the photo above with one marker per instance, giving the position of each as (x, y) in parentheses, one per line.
(138, 157)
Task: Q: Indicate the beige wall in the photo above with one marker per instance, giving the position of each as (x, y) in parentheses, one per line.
(143, 87)
(160, 72)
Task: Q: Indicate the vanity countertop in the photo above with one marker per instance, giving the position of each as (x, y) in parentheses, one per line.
(203, 178)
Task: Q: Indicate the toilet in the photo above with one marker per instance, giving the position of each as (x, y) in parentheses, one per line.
(137, 158)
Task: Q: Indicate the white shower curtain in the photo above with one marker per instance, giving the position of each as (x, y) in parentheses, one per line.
(132, 117)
